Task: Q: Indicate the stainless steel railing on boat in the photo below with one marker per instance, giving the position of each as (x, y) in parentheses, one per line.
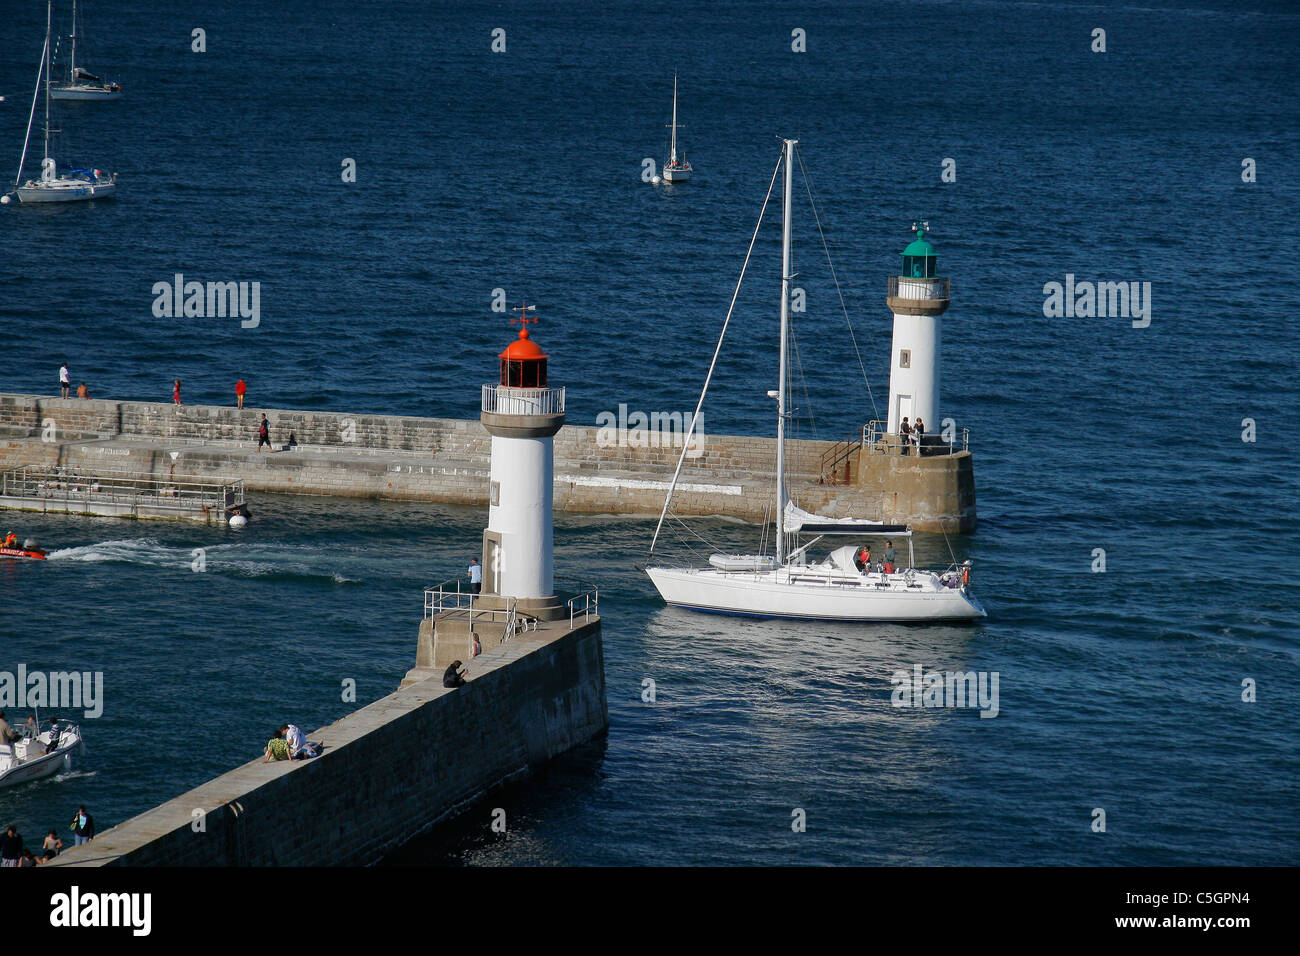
(585, 603)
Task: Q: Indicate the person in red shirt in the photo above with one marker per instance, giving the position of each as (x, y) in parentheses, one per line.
(240, 389)
(176, 391)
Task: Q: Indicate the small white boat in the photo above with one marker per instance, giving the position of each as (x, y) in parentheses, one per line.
(82, 84)
(56, 184)
(676, 170)
(32, 758)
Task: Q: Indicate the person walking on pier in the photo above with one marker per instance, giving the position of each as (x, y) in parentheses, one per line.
(475, 573)
(263, 433)
(65, 380)
(240, 389)
(83, 826)
(176, 391)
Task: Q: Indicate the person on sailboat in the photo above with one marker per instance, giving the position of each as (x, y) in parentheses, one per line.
(889, 557)
(863, 559)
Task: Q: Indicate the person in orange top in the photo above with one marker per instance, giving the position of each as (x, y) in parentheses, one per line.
(11, 540)
(176, 391)
(240, 389)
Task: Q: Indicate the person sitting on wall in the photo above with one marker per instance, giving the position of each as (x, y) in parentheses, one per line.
(299, 747)
(454, 676)
(277, 748)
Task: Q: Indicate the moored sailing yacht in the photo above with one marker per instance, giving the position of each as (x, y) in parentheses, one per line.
(844, 586)
(82, 84)
(66, 184)
(676, 170)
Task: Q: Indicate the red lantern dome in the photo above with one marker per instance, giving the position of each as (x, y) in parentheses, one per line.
(523, 363)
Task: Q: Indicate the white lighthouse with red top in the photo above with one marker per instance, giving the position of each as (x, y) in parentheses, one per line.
(522, 413)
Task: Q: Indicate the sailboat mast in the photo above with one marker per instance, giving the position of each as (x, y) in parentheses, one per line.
(72, 75)
(31, 115)
(49, 8)
(672, 152)
(785, 323)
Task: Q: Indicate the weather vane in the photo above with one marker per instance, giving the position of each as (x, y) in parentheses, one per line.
(523, 310)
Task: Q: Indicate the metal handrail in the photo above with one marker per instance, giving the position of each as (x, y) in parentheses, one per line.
(935, 282)
(590, 599)
(441, 598)
(115, 487)
(880, 440)
(523, 401)
(841, 450)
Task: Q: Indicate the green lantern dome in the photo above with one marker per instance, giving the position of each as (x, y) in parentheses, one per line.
(919, 261)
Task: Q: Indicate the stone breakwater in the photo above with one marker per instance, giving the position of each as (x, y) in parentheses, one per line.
(447, 460)
(389, 772)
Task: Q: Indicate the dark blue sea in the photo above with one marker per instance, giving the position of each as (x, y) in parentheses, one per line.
(1120, 690)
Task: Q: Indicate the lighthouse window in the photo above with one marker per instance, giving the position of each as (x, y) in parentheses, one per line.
(530, 373)
(904, 358)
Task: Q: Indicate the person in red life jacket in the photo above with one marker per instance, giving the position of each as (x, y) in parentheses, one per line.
(240, 389)
(11, 540)
(863, 559)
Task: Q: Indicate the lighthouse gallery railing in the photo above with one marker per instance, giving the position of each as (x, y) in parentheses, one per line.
(504, 400)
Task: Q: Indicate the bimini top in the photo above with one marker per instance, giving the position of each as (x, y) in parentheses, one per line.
(796, 519)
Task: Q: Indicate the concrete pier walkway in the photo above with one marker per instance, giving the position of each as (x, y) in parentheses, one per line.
(447, 460)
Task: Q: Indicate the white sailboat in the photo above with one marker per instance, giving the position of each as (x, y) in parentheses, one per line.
(787, 585)
(676, 170)
(66, 184)
(82, 84)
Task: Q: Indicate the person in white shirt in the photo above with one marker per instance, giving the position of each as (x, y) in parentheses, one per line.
(297, 741)
(65, 380)
(475, 576)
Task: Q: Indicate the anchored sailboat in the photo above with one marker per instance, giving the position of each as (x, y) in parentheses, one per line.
(676, 170)
(82, 84)
(845, 586)
(66, 184)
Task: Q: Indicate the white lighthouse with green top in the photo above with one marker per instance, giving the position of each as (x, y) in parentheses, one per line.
(918, 296)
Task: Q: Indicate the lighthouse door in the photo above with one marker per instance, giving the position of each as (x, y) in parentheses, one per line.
(492, 562)
(904, 409)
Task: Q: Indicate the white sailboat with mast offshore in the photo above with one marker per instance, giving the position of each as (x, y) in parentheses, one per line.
(841, 587)
(81, 83)
(676, 170)
(57, 184)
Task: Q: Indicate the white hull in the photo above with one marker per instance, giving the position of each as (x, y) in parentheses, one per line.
(83, 93)
(16, 766)
(64, 190)
(676, 175)
(812, 593)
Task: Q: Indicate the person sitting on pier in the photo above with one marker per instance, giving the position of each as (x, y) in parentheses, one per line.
(454, 676)
(890, 557)
(277, 748)
(299, 747)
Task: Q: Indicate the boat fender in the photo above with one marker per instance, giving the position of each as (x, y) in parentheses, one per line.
(965, 575)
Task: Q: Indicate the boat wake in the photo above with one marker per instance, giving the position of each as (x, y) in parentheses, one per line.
(238, 560)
